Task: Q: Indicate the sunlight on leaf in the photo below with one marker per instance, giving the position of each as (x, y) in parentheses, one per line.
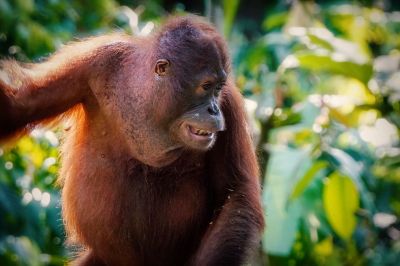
(325, 62)
(381, 133)
(347, 164)
(325, 247)
(341, 200)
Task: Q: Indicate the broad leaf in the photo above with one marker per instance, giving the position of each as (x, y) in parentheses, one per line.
(325, 63)
(302, 184)
(341, 201)
(282, 221)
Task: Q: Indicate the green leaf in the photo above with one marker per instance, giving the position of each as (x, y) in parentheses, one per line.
(275, 20)
(325, 247)
(347, 165)
(281, 233)
(341, 201)
(230, 9)
(303, 183)
(283, 221)
(325, 63)
(353, 169)
(320, 42)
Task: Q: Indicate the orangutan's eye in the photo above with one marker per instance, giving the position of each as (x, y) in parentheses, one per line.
(207, 86)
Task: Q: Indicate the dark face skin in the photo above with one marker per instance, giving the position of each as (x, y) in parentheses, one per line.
(196, 128)
(197, 125)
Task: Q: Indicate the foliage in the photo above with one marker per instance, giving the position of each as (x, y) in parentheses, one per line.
(31, 232)
(328, 107)
(322, 84)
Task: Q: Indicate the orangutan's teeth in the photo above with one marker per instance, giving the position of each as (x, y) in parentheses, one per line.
(203, 132)
(200, 132)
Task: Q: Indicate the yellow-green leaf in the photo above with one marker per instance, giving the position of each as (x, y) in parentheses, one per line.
(325, 247)
(341, 201)
(303, 183)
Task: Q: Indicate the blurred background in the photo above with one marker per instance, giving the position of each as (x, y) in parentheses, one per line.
(322, 87)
